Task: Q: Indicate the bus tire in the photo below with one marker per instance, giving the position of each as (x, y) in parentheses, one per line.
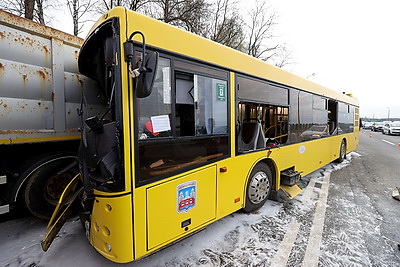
(342, 152)
(44, 181)
(259, 187)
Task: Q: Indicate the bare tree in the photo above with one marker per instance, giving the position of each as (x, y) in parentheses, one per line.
(261, 27)
(261, 39)
(226, 25)
(29, 8)
(111, 3)
(187, 14)
(16, 7)
(135, 5)
(39, 14)
(22, 8)
(44, 10)
(77, 9)
(282, 57)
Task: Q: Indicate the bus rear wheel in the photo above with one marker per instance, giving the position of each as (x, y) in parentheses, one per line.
(342, 152)
(45, 180)
(258, 188)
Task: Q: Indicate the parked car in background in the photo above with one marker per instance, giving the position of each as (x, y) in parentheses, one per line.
(367, 125)
(377, 127)
(391, 128)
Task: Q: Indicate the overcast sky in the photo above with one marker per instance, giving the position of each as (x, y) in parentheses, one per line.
(350, 46)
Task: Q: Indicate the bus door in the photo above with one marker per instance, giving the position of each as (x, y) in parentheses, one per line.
(188, 202)
(333, 117)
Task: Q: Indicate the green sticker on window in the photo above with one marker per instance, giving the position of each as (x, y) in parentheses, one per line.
(221, 92)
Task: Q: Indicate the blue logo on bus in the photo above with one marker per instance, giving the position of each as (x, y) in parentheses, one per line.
(186, 196)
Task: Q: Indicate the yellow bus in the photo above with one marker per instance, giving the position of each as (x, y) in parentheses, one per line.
(193, 131)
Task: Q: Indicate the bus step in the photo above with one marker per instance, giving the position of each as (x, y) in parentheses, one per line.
(291, 191)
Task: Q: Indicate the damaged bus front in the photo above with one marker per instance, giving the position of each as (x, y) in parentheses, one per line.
(114, 60)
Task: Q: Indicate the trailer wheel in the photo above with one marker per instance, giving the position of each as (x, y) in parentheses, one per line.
(259, 187)
(45, 180)
(342, 152)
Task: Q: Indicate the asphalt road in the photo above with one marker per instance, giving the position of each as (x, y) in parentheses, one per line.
(362, 223)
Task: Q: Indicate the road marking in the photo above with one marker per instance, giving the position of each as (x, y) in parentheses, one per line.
(285, 247)
(311, 257)
(390, 143)
(308, 191)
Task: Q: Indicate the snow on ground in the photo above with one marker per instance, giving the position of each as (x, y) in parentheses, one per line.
(239, 239)
(356, 236)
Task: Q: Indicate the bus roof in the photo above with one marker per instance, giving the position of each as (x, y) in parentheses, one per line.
(171, 38)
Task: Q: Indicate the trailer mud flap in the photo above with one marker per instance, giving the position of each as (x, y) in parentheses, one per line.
(62, 211)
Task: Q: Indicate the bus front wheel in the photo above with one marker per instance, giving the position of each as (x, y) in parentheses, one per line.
(342, 152)
(259, 187)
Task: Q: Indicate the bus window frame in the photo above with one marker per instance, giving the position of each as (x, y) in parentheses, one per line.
(289, 103)
(267, 83)
(195, 68)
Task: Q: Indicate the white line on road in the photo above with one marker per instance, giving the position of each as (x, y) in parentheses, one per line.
(390, 143)
(306, 195)
(311, 257)
(285, 247)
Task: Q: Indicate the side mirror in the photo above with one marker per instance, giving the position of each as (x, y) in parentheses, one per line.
(146, 78)
(143, 76)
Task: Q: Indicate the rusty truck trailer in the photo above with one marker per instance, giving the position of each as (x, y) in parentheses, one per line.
(40, 96)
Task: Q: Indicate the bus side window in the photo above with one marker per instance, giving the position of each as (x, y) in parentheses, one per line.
(184, 108)
(201, 105)
(211, 113)
(199, 133)
(273, 121)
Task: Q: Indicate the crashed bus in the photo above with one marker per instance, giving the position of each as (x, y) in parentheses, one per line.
(192, 131)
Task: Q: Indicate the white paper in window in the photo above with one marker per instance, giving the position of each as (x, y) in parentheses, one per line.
(160, 123)
(166, 85)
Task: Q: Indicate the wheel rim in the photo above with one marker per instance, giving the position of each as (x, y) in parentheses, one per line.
(56, 185)
(342, 150)
(259, 187)
(57, 181)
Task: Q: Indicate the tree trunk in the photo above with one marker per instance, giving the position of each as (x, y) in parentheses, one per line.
(75, 17)
(40, 13)
(29, 7)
